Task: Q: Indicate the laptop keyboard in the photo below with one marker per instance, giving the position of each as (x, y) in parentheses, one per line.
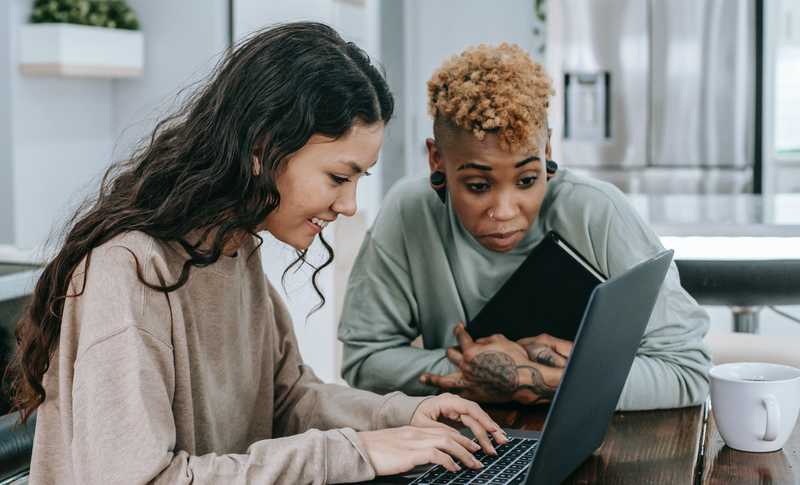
(508, 467)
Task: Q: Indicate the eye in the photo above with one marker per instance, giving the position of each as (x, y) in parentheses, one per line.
(339, 180)
(478, 187)
(527, 181)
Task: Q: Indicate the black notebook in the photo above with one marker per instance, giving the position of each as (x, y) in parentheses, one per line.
(548, 293)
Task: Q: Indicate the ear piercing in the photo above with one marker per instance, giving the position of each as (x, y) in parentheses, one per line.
(439, 184)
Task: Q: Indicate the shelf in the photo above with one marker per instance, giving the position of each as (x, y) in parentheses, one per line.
(82, 51)
(75, 70)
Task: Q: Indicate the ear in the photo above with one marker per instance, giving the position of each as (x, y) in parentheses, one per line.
(548, 149)
(434, 156)
(258, 153)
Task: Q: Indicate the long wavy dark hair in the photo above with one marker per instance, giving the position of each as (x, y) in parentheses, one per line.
(266, 97)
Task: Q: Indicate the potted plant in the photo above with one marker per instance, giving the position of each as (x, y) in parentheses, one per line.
(84, 38)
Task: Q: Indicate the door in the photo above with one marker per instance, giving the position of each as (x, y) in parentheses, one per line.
(703, 83)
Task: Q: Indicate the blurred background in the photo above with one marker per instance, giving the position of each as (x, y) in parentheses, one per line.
(689, 106)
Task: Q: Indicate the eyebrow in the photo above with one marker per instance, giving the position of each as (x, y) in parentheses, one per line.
(487, 168)
(356, 168)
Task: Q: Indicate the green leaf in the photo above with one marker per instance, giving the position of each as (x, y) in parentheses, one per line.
(102, 13)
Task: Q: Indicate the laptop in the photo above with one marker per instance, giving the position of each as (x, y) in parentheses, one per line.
(608, 338)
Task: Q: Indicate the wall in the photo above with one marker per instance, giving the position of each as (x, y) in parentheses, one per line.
(392, 52)
(52, 157)
(59, 134)
(6, 140)
(183, 41)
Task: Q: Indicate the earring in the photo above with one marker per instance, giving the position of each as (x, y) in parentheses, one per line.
(552, 167)
(439, 184)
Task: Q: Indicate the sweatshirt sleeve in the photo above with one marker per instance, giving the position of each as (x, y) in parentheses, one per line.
(377, 327)
(302, 401)
(671, 365)
(124, 431)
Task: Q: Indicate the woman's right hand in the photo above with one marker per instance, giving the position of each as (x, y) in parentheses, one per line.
(398, 450)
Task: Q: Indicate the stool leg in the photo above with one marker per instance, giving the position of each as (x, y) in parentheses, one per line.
(745, 319)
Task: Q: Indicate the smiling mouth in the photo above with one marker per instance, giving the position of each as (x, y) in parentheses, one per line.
(320, 223)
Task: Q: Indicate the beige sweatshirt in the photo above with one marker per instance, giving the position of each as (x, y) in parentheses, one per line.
(206, 387)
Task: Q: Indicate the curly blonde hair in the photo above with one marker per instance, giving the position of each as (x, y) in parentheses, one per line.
(492, 89)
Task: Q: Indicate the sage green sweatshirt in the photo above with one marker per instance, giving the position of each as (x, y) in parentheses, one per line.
(204, 386)
(419, 272)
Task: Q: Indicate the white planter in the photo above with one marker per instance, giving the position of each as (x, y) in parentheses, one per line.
(80, 51)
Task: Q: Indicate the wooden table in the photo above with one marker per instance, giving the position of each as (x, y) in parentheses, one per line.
(651, 447)
(677, 446)
(722, 465)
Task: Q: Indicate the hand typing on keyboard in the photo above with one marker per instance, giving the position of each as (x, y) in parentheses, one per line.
(427, 440)
(507, 467)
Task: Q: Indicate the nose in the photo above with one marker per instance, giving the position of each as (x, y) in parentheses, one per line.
(346, 204)
(504, 208)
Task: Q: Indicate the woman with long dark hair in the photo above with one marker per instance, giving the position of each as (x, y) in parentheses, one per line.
(155, 350)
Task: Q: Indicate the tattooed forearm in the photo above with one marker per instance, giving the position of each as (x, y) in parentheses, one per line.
(537, 385)
(495, 370)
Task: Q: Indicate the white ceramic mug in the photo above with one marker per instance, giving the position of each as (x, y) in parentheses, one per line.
(755, 405)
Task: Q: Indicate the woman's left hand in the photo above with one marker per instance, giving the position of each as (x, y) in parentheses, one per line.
(456, 408)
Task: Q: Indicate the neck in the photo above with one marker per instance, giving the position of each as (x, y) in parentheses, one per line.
(230, 247)
(233, 243)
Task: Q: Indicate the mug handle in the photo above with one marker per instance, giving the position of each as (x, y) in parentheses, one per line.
(773, 417)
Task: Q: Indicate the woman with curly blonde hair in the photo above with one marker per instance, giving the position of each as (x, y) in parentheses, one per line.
(435, 257)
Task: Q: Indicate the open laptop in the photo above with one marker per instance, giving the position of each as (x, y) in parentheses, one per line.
(608, 337)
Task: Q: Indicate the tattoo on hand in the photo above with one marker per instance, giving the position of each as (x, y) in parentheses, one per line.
(541, 355)
(495, 370)
(537, 385)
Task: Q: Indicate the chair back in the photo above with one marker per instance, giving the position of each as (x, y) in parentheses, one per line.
(16, 446)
